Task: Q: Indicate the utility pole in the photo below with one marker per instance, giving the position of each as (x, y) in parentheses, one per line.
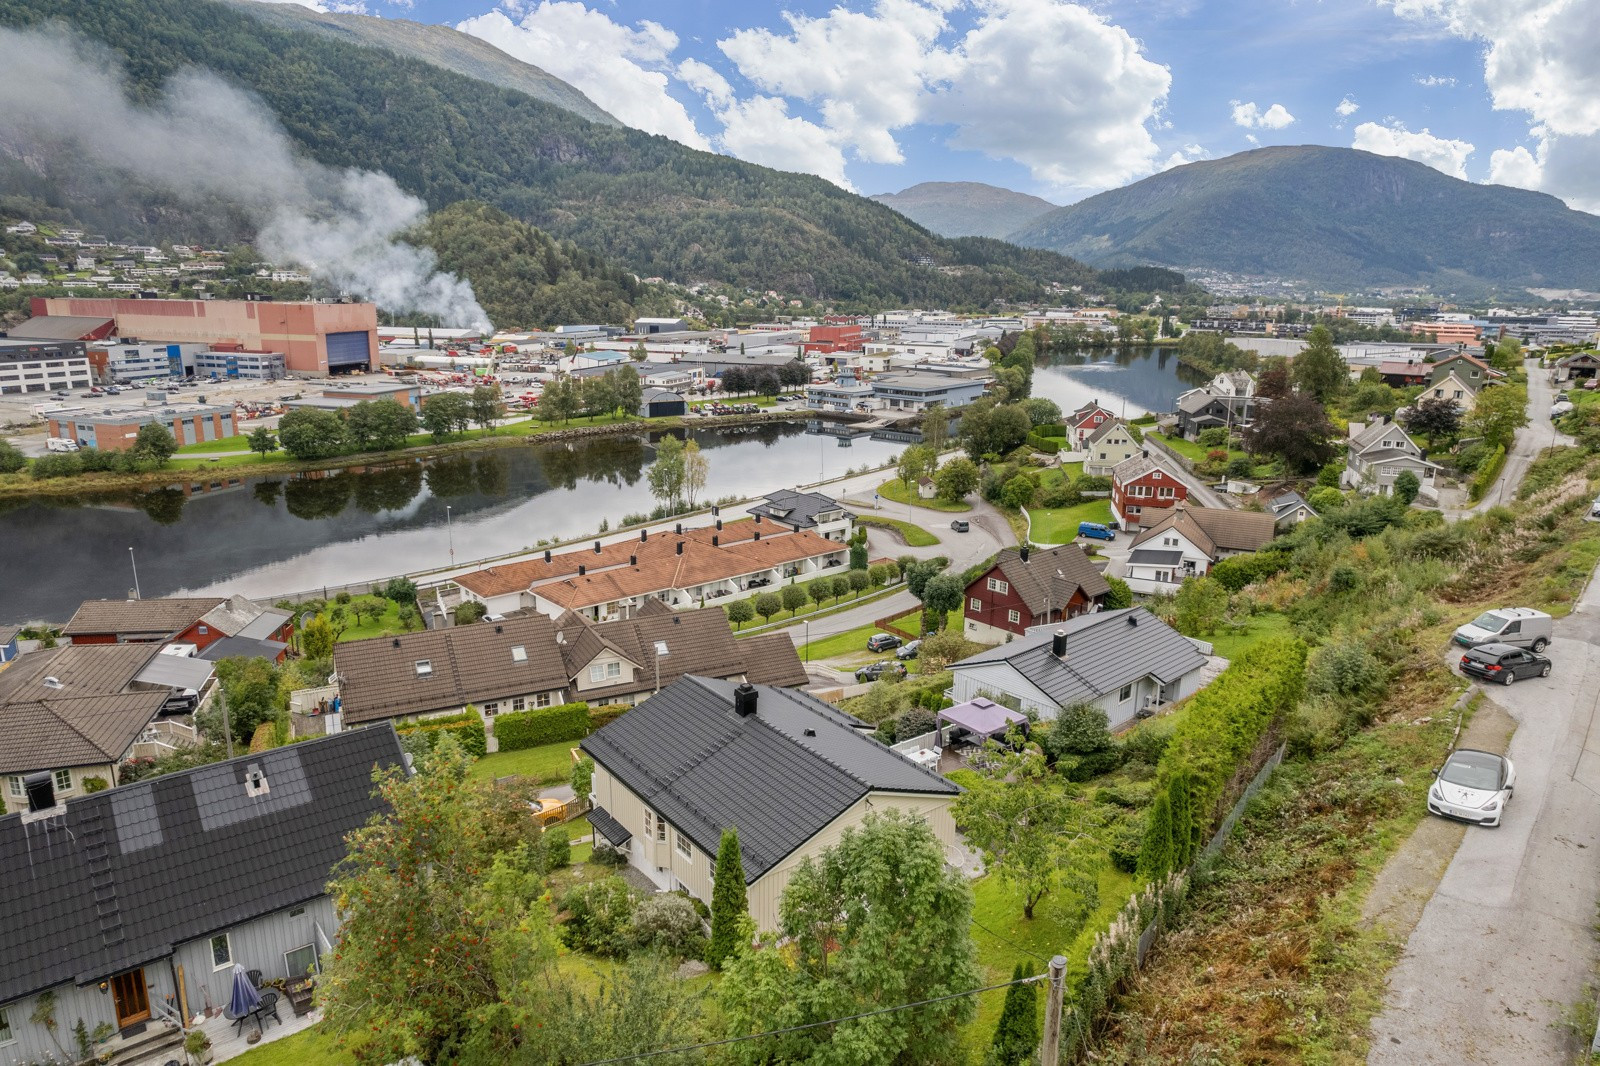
(227, 724)
(1050, 1048)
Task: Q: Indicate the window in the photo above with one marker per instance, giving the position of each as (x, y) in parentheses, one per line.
(519, 703)
(519, 654)
(996, 585)
(63, 780)
(491, 709)
(1157, 475)
(424, 667)
(1013, 617)
(685, 848)
(542, 700)
(1126, 694)
(1167, 492)
(605, 671)
(17, 789)
(977, 604)
(5, 1029)
(221, 952)
(202, 630)
(301, 961)
(649, 825)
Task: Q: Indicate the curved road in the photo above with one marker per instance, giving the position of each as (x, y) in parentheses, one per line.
(1540, 433)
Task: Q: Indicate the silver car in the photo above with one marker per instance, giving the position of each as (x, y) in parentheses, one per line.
(1473, 786)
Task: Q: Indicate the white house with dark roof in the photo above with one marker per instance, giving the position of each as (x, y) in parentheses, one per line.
(789, 772)
(1379, 452)
(1110, 443)
(1290, 509)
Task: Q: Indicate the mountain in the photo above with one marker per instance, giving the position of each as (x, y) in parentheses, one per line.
(438, 45)
(638, 200)
(1335, 218)
(966, 208)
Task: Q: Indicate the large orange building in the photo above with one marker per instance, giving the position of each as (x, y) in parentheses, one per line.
(315, 338)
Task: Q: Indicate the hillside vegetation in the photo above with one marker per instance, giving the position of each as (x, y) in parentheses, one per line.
(966, 208)
(1334, 217)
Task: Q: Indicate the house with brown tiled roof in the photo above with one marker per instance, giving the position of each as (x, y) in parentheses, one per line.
(1189, 540)
(679, 568)
(159, 620)
(1030, 586)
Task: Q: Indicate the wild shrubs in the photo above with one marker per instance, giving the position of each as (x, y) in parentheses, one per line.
(668, 923)
(599, 917)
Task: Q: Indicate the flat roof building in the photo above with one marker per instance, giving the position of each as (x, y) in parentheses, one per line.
(42, 366)
(115, 429)
(914, 391)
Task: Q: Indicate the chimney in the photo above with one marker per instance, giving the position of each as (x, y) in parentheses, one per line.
(678, 529)
(644, 535)
(680, 547)
(582, 569)
(633, 560)
(1022, 553)
(597, 547)
(42, 790)
(744, 701)
(1058, 645)
(758, 534)
(719, 525)
(758, 520)
(499, 629)
(714, 540)
(396, 642)
(715, 509)
(547, 555)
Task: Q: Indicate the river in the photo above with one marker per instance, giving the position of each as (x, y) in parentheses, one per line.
(268, 536)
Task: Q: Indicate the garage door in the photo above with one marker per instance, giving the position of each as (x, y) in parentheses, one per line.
(348, 349)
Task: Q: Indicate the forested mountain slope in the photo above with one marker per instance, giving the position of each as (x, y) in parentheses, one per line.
(966, 208)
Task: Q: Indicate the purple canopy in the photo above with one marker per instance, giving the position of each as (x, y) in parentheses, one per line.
(245, 998)
(982, 717)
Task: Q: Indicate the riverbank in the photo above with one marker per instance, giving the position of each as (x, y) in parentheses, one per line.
(252, 465)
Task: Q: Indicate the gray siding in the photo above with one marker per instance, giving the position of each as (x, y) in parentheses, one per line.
(31, 1043)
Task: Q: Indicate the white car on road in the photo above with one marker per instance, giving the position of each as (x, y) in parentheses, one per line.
(1473, 786)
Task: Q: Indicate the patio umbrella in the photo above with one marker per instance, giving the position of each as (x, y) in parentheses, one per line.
(245, 997)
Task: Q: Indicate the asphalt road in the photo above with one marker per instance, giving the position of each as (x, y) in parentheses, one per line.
(1508, 941)
(1540, 433)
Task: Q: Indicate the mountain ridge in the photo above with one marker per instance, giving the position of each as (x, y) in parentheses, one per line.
(966, 208)
(1336, 217)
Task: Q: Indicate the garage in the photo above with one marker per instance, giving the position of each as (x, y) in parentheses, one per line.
(662, 403)
(349, 351)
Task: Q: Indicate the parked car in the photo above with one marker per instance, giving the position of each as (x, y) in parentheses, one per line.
(882, 642)
(873, 671)
(1473, 786)
(1096, 531)
(1561, 408)
(909, 651)
(960, 525)
(1594, 508)
(1523, 627)
(1503, 663)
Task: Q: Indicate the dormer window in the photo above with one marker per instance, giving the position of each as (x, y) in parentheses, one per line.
(424, 668)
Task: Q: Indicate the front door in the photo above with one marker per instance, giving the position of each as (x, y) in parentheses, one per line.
(130, 997)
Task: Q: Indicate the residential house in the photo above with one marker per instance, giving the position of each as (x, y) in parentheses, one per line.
(1578, 366)
(1378, 452)
(162, 620)
(1404, 373)
(682, 568)
(1028, 587)
(1084, 421)
(1452, 388)
(796, 510)
(23, 228)
(133, 905)
(1126, 662)
(1188, 540)
(1473, 372)
(1142, 491)
(1233, 383)
(1110, 443)
(9, 637)
(1289, 510)
(534, 661)
(789, 772)
(1199, 410)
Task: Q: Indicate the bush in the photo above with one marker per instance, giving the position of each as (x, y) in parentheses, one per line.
(1325, 499)
(1468, 459)
(1061, 494)
(1345, 669)
(1125, 839)
(599, 917)
(1093, 483)
(56, 464)
(606, 714)
(466, 728)
(1120, 596)
(1490, 469)
(1215, 437)
(1048, 445)
(542, 725)
(1147, 743)
(95, 784)
(668, 923)
(555, 849)
(914, 723)
(469, 612)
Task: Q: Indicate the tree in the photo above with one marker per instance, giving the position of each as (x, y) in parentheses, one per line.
(1155, 852)
(666, 475)
(1497, 414)
(1294, 428)
(768, 604)
(582, 780)
(598, 395)
(262, 441)
(859, 581)
(919, 573)
(1181, 802)
(1199, 606)
(956, 479)
(307, 433)
(935, 426)
(1319, 369)
(154, 444)
(1406, 487)
(1273, 383)
(1018, 492)
(941, 595)
(468, 612)
(401, 590)
(730, 912)
(316, 639)
(638, 353)
(916, 462)
(1434, 417)
(486, 405)
(847, 914)
(560, 400)
(254, 694)
(628, 388)
(1016, 811)
(1079, 742)
(740, 612)
(1042, 412)
(445, 413)
(11, 458)
(1325, 499)
(841, 586)
(696, 471)
(379, 425)
(820, 590)
(793, 597)
(1121, 594)
(1016, 1036)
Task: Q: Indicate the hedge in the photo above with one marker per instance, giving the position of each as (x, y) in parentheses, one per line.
(1488, 470)
(466, 727)
(542, 725)
(1049, 445)
(605, 715)
(1052, 430)
(1225, 721)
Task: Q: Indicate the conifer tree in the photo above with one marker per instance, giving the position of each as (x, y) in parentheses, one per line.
(1017, 1033)
(1155, 856)
(729, 907)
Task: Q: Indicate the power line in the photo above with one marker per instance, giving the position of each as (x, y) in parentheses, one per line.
(812, 1025)
(1008, 942)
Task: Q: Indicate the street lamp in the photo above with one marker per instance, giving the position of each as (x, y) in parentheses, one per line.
(135, 564)
(807, 623)
(449, 531)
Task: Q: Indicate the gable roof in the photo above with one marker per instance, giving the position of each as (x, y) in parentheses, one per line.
(1214, 529)
(168, 614)
(1105, 651)
(705, 768)
(189, 854)
(1135, 467)
(1077, 418)
(1105, 429)
(53, 734)
(1038, 582)
(1287, 503)
(237, 616)
(1373, 432)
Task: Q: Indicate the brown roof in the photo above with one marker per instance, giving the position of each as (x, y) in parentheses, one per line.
(772, 659)
(81, 669)
(469, 664)
(1215, 529)
(1036, 580)
(169, 615)
(53, 734)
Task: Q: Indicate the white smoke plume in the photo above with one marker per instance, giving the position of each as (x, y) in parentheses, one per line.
(206, 141)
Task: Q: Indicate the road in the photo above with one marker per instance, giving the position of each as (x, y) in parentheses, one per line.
(1539, 434)
(1508, 941)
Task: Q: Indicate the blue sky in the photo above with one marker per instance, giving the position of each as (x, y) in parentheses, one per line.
(1065, 99)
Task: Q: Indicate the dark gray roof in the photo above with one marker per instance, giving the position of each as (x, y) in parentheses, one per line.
(798, 509)
(609, 827)
(1155, 557)
(1105, 651)
(242, 648)
(188, 854)
(704, 768)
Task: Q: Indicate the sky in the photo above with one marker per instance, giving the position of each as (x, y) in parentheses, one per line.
(1064, 99)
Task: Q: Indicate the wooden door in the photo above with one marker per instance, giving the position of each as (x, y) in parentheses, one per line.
(130, 998)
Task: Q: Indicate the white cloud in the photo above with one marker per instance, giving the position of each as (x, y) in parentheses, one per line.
(1346, 107)
(1435, 81)
(1250, 116)
(761, 130)
(707, 82)
(622, 68)
(1422, 146)
(1189, 153)
(1518, 167)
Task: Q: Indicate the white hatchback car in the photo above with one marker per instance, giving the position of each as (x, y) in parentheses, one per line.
(1473, 786)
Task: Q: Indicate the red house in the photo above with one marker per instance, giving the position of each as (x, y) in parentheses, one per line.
(1085, 420)
(1142, 492)
(234, 626)
(1031, 587)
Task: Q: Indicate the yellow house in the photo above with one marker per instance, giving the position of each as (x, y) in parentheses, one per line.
(786, 770)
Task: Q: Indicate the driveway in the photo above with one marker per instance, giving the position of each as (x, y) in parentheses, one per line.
(1531, 440)
(1508, 940)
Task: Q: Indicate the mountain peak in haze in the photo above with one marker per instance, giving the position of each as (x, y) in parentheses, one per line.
(966, 208)
(1331, 217)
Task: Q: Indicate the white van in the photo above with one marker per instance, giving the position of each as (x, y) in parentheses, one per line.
(60, 444)
(1523, 627)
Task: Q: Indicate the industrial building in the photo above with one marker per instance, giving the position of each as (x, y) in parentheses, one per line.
(115, 429)
(42, 366)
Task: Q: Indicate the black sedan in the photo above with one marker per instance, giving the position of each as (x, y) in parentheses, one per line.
(1504, 663)
(873, 671)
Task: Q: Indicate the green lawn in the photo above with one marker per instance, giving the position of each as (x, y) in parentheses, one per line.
(912, 622)
(811, 608)
(854, 640)
(1059, 525)
(309, 1047)
(548, 764)
(580, 827)
(894, 490)
(1232, 644)
(1057, 474)
(915, 536)
(227, 444)
(385, 625)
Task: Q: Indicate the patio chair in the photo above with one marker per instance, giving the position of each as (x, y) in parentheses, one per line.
(255, 978)
(269, 1006)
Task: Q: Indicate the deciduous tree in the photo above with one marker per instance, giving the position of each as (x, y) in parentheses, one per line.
(666, 474)
(154, 444)
(793, 596)
(445, 413)
(768, 604)
(956, 479)
(1199, 606)
(740, 612)
(696, 471)
(307, 433)
(1434, 417)
(1319, 369)
(1498, 413)
(486, 405)
(262, 441)
(1294, 428)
